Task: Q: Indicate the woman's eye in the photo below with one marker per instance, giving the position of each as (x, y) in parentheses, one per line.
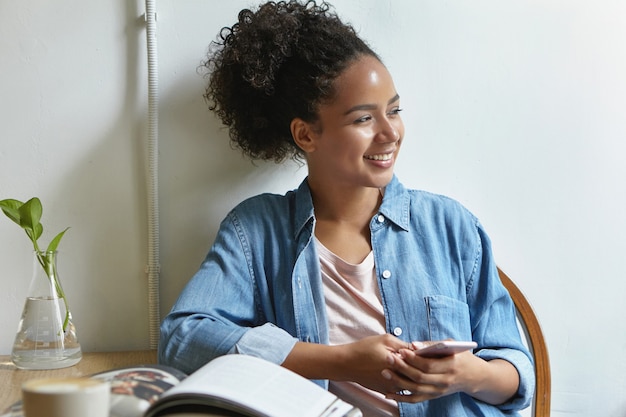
(395, 111)
(363, 119)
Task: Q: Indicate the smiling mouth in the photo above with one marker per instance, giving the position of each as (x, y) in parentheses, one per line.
(379, 157)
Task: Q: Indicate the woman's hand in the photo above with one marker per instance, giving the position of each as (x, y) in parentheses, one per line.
(363, 361)
(415, 378)
(366, 361)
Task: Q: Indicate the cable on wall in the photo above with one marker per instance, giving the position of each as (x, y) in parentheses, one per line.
(153, 267)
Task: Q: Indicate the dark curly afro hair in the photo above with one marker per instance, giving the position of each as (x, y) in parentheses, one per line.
(275, 64)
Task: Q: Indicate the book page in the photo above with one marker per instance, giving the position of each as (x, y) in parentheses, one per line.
(255, 384)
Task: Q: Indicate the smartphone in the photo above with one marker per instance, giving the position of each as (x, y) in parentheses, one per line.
(445, 348)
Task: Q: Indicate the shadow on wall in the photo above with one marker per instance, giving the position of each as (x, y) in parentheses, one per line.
(202, 178)
(106, 245)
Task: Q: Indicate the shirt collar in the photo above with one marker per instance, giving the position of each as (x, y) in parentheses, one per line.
(395, 205)
(303, 207)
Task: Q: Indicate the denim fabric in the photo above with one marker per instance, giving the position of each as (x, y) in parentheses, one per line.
(259, 290)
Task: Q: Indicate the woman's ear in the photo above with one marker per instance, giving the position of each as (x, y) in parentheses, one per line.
(303, 135)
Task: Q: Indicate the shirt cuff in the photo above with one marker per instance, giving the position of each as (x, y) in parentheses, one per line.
(525, 369)
(267, 342)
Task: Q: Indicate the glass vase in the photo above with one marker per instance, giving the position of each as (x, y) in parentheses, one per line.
(46, 336)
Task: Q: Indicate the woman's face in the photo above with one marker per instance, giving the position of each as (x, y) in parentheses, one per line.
(358, 135)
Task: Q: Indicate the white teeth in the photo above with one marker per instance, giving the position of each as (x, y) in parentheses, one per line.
(382, 157)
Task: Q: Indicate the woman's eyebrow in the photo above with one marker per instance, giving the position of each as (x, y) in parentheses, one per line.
(370, 106)
(394, 99)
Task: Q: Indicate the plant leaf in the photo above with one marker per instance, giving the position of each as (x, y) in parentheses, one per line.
(55, 242)
(30, 214)
(27, 216)
(11, 208)
(37, 232)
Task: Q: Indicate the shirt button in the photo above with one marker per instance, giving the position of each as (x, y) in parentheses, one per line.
(380, 218)
(386, 274)
(397, 331)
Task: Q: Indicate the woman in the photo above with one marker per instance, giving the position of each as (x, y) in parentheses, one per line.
(341, 279)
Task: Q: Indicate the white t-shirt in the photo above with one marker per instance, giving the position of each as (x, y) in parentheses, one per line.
(355, 311)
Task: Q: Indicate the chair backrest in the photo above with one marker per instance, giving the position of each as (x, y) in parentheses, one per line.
(537, 345)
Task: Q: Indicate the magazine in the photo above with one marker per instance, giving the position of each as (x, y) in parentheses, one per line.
(133, 389)
(228, 386)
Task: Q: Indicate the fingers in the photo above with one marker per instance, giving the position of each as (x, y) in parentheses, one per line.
(406, 390)
(413, 378)
(412, 362)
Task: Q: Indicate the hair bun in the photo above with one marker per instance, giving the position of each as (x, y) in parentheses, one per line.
(261, 41)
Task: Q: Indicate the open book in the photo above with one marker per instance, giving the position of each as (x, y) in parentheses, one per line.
(228, 386)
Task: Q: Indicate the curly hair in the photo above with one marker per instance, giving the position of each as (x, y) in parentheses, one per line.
(275, 64)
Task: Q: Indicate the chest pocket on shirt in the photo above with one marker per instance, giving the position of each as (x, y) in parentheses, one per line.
(448, 318)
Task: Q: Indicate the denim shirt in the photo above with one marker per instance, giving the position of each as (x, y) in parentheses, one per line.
(259, 290)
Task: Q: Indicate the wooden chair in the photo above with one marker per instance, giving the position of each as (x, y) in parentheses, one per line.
(537, 345)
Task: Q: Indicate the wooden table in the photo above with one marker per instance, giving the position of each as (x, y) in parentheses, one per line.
(12, 378)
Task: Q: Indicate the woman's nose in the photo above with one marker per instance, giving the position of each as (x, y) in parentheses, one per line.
(388, 132)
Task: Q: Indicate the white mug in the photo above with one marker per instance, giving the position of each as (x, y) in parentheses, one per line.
(66, 397)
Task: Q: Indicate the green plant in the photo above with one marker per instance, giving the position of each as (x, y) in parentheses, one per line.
(28, 215)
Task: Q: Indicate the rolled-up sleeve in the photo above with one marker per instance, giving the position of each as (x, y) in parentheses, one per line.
(267, 341)
(525, 369)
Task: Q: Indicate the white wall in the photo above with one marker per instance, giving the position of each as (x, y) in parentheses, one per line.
(517, 109)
